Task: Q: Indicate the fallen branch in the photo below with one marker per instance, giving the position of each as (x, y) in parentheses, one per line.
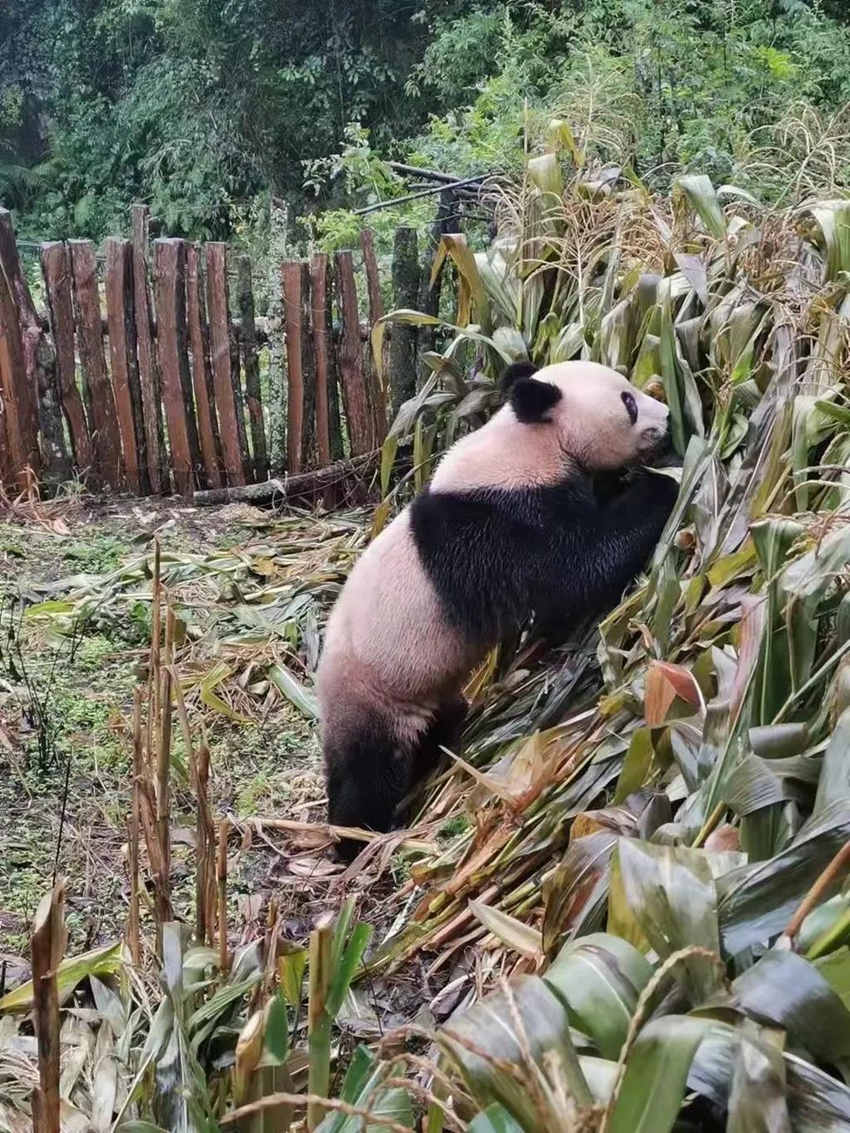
(278, 490)
(331, 832)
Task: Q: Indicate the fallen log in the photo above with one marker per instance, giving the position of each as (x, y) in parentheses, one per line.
(278, 490)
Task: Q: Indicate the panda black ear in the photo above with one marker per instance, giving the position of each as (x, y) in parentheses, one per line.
(515, 371)
(531, 400)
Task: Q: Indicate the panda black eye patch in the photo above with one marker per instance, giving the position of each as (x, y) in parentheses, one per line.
(631, 405)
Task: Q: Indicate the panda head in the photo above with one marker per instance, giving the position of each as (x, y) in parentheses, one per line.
(600, 419)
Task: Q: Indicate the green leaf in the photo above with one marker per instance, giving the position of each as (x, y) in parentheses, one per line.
(699, 194)
(651, 1092)
(291, 966)
(294, 691)
(600, 978)
(670, 374)
(669, 892)
(790, 992)
(756, 901)
(515, 934)
(99, 962)
(277, 1030)
(494, 1119)
(484, 1035)
(834, 783)
(833, 218)
(757, 1102)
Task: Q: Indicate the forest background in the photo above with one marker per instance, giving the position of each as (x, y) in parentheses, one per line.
(209, 111)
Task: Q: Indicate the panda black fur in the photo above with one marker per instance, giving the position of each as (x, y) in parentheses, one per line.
(529, 514)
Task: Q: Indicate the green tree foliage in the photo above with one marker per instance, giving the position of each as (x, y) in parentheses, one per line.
(203, 109)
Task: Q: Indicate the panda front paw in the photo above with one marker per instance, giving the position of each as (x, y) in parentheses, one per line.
(668, 459)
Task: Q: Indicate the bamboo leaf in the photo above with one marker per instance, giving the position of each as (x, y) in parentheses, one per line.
(515, 934)
(294, 691)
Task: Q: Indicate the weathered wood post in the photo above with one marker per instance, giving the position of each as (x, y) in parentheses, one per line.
(251, 367)
(121, 323)
(39, 361)
(322, 350)
(229, 409)
(155, 452)
(202, 381)
(301, 398)
(170, 292)
(100, 399)
(358, 415)
(56, 269)
(18, 390)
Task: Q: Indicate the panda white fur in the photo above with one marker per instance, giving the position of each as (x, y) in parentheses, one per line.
(511, 525)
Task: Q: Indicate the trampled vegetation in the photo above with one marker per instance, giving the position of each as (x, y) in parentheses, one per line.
(622, 908)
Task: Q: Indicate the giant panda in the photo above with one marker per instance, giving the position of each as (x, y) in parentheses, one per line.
(511, 525)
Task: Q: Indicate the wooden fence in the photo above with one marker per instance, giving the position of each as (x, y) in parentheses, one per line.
(148, 381)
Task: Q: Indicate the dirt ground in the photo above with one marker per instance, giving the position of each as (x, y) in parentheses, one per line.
(64, 800)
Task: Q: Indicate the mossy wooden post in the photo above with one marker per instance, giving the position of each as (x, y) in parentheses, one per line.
(39, 361)
(170, 291)
(218, 309)
(354, 391)
(48, 949)
(251, 367)
(403, 341)
(56, 269)
(276, 254)
(101, 401)
(155, 451)
(18, 390)
(202, 382)
(121, 323)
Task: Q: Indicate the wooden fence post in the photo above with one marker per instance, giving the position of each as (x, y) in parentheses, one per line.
(300, 384)
(250, 363)
(373, 280)
(157, 458)
(19, 394)
(220, 359)
(39, 361)
(276, 253)
(377, 395)
(102, 412)
(201, 373)
(170, 292)
(121, 324)
(355, 398)
(402, 352)
(56, 269)
(322, 341)
(6, 474)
